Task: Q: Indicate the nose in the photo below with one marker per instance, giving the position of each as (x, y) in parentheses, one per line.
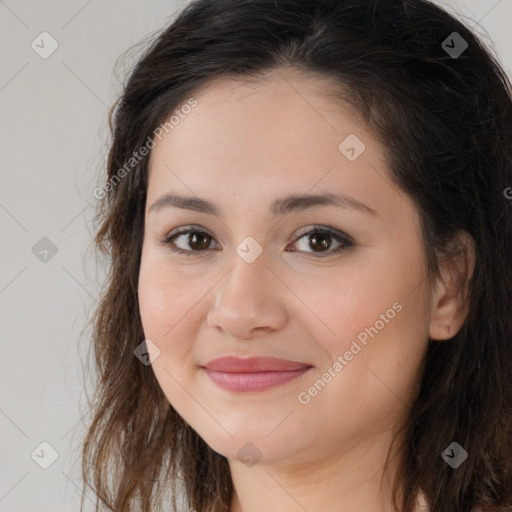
(249, 301)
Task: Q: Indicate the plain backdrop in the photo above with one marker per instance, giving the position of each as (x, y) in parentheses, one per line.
(53, 140)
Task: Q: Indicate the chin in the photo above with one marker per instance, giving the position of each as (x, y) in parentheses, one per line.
(252, 446)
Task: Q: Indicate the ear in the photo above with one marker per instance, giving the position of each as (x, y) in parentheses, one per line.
(450, 301)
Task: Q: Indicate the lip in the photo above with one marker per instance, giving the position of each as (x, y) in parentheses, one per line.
(254, 373)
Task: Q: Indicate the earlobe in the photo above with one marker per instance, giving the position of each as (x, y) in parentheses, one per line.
(450, 300)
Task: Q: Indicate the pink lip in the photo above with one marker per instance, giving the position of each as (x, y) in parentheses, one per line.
(253, 374)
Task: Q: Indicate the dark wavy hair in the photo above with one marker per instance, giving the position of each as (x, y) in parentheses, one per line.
(445, 123)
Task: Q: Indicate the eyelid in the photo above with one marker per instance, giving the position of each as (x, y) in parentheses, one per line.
(323, 229)
(185, 229)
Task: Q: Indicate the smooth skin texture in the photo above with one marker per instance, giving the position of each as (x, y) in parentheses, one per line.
(243, 146)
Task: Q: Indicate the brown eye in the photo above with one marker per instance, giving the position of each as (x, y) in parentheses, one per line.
(199, 241)
(188, 241)
(320, 240)
(317, 242)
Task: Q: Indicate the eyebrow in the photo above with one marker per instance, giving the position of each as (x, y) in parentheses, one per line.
(292, 203)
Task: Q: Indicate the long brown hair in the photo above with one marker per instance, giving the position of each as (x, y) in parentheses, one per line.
(445, 120)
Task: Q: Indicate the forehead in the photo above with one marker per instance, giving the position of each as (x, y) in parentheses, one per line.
(248, 140)
(283, 122)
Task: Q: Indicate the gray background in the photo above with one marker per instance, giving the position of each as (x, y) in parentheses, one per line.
(54, 137)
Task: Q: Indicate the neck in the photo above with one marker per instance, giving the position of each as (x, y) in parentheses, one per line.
(354, 479)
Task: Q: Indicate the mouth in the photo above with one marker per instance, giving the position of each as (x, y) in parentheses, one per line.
(253, 374)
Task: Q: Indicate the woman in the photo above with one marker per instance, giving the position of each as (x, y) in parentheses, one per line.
(309, 298)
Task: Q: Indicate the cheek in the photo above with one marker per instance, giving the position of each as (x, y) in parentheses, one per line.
(380, 306)
(166, 310)
(341, 303)
(165, 305)
(380, 333)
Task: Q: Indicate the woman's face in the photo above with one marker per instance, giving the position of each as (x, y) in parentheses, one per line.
(257, 280)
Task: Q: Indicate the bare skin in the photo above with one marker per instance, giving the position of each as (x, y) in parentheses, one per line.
(242, 147)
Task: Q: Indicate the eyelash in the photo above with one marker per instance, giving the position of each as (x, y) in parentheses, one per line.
(344, 240)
